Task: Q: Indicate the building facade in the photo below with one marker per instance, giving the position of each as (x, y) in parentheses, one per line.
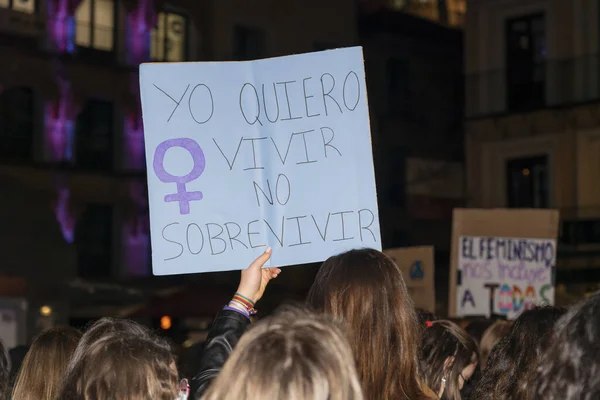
(444, 12)
(71, 135)
(414, 76)
(533, 121)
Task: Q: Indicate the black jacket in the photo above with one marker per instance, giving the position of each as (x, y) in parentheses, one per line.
(223, 335)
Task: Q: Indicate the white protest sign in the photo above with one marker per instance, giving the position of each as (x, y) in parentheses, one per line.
(504, 276)
(245, 155)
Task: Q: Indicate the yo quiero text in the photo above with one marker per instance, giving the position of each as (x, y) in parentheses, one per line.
(504, 275)
(267, 153)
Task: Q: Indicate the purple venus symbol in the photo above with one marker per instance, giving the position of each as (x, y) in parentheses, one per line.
(182, 196)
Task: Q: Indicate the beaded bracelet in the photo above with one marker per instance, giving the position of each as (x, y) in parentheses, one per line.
(244, 302)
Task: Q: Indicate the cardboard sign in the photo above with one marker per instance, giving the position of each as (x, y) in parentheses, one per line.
(514, 274)
(417, 266)
(503, 261)
(245, 155)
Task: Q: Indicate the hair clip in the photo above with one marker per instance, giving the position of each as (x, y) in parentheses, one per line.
(429, 324)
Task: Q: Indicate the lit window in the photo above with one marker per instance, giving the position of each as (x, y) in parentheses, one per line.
(457, 10)
(168, 38)
(26, 6)
(398, 4)
(95, 24)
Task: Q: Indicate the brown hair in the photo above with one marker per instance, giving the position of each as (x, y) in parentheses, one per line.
(292, 355)
(43, 368)
(364, 289)
(570, 368)
(442, 341)
(122, 365)
(511, 365)
(490, 337)
(101, 328)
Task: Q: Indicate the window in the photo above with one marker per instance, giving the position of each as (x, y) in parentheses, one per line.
(93, 238)
(397, 180)
(457, 10)
(399, 88)
(16, 123)
(423, 8)
(95, 20)
(94, 134)
(525, 57)
(527, 182)
(26, 6)
(249, 43)
(168, 38)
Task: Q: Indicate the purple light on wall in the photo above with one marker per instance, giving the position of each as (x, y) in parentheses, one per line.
(64, 216)
(134, 156)
(140, 22)
(134, 142)
(61, 24)
(136, 248)
(136, 233)
(59, 125)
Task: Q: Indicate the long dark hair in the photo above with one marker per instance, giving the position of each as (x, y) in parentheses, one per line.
(511, 366)
(364, 290)
(444, 340)
(570, 369)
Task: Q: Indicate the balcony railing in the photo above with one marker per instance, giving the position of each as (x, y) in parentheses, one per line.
(555, 83)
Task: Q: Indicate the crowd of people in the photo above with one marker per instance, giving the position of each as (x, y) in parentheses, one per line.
(357, 337)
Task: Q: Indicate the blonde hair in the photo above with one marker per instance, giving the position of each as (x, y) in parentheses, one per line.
(41, 373)
(122, 366)
(293, 355)
(490, 337)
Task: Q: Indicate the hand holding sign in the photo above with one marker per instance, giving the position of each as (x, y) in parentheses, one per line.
(255, 278)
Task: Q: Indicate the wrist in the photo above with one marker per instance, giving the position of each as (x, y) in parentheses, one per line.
(235, 305)
(247, 295)
(242, 302)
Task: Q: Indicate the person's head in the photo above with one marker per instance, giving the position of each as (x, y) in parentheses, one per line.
(291, 355)
(570, 368)
(42, 371)
(102, 328)
(448, 358)
(512, 362)
(4, 373)
(424, 316)
(491, 336)
(364, 290)
(123, 366)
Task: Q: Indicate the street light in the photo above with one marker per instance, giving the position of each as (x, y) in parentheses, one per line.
(45, 311)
